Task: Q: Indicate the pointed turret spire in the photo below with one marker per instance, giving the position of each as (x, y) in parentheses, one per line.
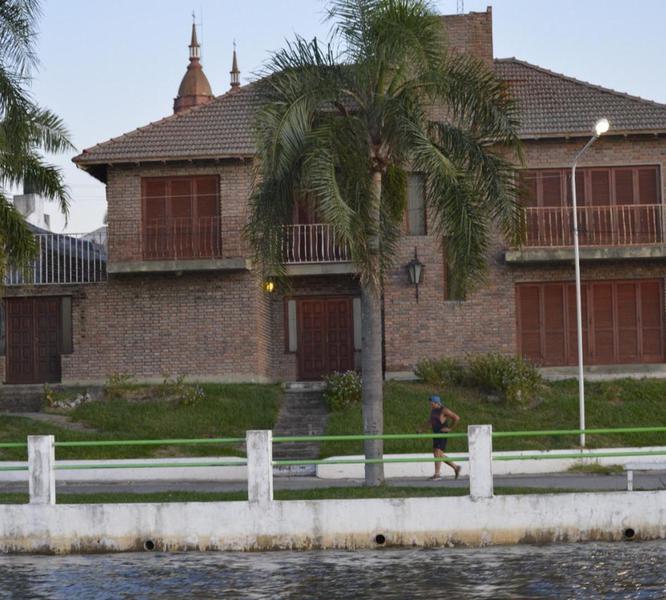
(235, 73)
(194, 88)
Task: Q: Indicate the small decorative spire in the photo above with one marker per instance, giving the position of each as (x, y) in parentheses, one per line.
(195, 49)
(235, 73)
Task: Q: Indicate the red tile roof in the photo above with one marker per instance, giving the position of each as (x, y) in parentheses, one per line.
(550, 104)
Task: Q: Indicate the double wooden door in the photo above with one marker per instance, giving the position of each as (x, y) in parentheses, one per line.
(326, 336)
(33, 340)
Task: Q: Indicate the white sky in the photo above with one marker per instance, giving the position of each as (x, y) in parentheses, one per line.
(110, 67)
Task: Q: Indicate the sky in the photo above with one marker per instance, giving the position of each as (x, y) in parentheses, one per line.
(107, 68)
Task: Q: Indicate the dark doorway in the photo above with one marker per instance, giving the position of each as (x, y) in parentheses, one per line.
(33, 340)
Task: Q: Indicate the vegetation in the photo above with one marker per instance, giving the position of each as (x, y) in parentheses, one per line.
(224, 411)
(343, 125)
(510, 378)
(342, 390)
(609, 404)
(25, 129)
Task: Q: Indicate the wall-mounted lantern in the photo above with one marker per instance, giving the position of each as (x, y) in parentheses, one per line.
(269, 286)
(415, 269)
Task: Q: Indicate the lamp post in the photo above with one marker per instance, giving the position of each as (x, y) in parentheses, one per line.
(415, 271)
(600, 127)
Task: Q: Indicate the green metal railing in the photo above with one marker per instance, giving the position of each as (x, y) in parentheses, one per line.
(462, 456)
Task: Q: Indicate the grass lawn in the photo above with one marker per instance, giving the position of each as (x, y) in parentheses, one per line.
(334, 493)
(621, 403)
(226, 411)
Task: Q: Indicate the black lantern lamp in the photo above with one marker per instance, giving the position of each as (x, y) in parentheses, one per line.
(415, 269)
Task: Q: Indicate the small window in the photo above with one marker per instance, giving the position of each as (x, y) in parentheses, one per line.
(416, 218)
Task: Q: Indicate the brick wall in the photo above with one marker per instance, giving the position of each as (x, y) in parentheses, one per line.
(486, 321)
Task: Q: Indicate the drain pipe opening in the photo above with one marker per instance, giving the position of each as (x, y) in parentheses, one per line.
(380, 540)
(629, 533)
(149, 545)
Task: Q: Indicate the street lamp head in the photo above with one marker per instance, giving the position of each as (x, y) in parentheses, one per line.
(601, 127)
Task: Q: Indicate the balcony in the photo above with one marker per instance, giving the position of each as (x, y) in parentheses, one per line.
(63, 259)
(313, 249)
(605, 233)
(175, 245)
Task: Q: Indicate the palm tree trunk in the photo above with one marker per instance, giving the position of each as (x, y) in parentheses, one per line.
(371, 353)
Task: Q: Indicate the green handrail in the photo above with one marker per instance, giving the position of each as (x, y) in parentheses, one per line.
(551, 432)
(361, 437)
(169, 442)
(69, 467)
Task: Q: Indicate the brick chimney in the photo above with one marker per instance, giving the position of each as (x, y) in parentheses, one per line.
(471, 33)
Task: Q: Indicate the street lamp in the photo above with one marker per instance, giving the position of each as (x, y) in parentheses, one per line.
(600, 127)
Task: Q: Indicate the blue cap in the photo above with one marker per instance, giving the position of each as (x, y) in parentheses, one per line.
(435, 399)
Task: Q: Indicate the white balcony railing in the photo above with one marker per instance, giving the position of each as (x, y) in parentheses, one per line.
(621, 225)
(313, 243)
(63, 259)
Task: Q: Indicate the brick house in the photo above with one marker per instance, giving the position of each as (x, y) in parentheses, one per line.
(179, 293)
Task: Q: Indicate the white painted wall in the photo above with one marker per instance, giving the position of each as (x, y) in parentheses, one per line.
(332, 523)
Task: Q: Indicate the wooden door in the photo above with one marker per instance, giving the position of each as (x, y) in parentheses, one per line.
(33, 340)
(326, 341)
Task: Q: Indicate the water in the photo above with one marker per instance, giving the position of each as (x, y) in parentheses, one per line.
(609, 571)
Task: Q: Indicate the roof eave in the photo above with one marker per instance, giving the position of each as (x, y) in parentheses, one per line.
(535, 135)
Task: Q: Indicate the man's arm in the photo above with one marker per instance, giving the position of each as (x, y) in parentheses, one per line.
(453, 417)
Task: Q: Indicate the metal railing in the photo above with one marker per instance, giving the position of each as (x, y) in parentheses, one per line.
(620, 225)
(72, 258)
(175, 239)
(313, 243)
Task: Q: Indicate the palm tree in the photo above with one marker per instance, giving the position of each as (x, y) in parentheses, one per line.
(343, 124)
(25, 128)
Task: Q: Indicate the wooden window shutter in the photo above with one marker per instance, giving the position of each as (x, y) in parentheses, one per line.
(648, 185)
(624, 186)
(552, 188)
(416, 221)
(527, 188)
(600, 187)
(66, 341)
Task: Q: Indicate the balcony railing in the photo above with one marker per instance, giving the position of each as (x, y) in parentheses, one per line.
(313, 243)
(72, 258)
(175, 239)
(621, 225)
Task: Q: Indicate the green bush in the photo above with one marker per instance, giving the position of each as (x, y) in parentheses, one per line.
(342, 390)
(512, 377)
(118, 384)
(443, 371)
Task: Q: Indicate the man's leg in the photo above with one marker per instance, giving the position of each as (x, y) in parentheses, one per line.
(454, 466)
(438, 464)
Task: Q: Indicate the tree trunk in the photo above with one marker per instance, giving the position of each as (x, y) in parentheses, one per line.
(371, 353)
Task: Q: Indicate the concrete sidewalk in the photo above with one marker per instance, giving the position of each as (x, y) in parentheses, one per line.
(655, 480)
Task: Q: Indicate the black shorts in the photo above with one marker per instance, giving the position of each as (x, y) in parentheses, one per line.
(439, 444)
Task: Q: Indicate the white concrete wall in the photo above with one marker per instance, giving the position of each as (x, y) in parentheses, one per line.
(332, 523)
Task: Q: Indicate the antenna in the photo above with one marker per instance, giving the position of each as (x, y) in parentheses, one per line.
(461, 6)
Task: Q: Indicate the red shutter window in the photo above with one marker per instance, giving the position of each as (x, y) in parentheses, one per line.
(527, 188)
(181, 217)
(648, 185)
(624, 186)
(600, 187)
(551, 184)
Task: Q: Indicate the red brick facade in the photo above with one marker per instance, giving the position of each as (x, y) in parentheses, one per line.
(221, 325)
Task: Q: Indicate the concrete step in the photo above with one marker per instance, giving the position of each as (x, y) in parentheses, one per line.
(303, 412)
(23, 398)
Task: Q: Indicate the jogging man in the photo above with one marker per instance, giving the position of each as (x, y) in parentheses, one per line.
(442, 420)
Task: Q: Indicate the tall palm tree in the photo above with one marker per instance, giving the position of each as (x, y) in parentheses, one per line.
(25, 129)
(343, 124)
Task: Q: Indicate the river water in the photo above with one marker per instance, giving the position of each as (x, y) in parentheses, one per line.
(594, 570)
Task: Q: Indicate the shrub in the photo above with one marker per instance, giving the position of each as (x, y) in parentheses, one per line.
(342, 390)
(440, 372)
(175, 388)
(512, 377)
(118, 384)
